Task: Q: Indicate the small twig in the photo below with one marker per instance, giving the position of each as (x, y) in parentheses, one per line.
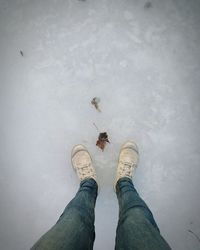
(197, 237)
(96, 127)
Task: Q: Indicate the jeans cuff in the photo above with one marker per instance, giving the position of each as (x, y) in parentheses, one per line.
(124, 182)
(89, 183)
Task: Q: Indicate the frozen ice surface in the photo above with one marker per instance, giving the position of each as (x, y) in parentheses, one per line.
(143, 61)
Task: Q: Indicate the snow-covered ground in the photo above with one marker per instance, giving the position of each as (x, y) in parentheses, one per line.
(143, 62)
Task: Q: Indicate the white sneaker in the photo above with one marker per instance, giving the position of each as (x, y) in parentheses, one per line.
(82, 163)
(127, 163)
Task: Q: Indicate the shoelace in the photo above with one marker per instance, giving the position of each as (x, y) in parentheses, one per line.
(85, 170)
(126, 168)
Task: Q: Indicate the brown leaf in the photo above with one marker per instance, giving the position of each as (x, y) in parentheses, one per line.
(95, 101)
(102, 139)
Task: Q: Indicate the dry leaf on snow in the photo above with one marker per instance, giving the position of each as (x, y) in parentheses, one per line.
(102, 139)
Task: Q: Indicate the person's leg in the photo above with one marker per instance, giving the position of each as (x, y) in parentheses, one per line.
(137, 228)
(75, 228)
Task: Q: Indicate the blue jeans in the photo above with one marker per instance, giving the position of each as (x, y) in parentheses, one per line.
(136, 230)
